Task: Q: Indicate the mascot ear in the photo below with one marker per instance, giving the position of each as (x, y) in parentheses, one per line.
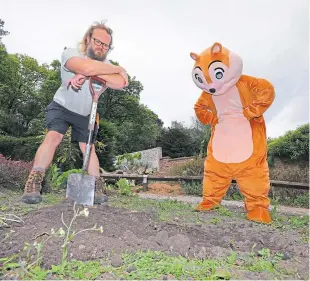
(216, 48)
(194, 56)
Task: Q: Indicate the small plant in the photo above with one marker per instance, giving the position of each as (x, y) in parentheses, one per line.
(62, 178)
(215, 220)
(68, 234)
(68, 153)
(223, 211)
(192, 188)
(32, 268)
(297, 222)
(124, 187)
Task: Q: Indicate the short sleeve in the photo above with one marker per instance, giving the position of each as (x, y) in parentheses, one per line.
(108, 62)
(67, 54)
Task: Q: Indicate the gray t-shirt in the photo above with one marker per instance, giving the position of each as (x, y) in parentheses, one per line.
(76, 101)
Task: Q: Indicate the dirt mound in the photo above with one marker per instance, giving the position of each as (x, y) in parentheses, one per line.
(128, 231)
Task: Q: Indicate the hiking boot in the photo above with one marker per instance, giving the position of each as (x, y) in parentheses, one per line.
(33, 187)
(100, 197)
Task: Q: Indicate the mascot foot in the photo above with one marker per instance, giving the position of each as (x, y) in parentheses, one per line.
(205, 206)
(259, 214)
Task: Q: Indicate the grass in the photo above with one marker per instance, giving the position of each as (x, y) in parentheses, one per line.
(166, 210)
(10, 202)
(283, 196)
(176, 211)
(147, 265)
(299, 223)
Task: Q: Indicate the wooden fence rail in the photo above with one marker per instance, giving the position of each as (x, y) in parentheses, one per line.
(146, 178)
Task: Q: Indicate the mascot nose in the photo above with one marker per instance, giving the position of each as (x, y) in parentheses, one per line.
(212, 90)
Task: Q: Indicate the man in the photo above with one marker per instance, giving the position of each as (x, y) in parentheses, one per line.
(71, 106)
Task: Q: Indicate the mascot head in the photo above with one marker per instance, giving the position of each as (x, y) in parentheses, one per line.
(216, 69)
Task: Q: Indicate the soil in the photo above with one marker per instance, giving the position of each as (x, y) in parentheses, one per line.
(171, 189)
(128, 231)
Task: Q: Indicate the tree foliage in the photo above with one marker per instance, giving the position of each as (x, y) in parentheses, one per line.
(2, 31)
(293, 145)
(27, 87)
(126, 125)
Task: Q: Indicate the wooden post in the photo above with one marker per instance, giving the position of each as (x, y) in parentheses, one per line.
(144, 183)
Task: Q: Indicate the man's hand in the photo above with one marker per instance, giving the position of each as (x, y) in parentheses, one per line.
(76, 81)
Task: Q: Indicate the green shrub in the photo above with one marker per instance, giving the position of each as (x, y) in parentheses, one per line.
(25, 149)
(61, 180)
(106, 151)
(192, 188)
(293, 145)
(68, 153)
(56, 179)
(20, 148)
(193, 167)
(124, 187)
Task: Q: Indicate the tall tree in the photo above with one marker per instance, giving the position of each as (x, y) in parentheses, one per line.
(21, 78)
(2, 31)
(139, 132)
(176, 142)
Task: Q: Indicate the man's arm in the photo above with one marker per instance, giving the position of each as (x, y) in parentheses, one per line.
(264, 95)
(89, 67)
(115, 76)
(115, 81)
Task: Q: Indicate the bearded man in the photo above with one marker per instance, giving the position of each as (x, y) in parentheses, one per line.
(71, 106)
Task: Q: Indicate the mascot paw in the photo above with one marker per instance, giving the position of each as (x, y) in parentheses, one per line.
(259, 214)
(205, 206)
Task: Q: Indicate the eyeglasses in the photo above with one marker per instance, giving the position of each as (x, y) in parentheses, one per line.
(99, 43)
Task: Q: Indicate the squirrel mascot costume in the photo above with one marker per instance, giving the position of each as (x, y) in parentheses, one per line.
(233, 104)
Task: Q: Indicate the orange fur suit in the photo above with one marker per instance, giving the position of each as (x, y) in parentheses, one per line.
(234, 105)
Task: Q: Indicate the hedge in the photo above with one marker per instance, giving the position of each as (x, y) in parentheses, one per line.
(20, 148)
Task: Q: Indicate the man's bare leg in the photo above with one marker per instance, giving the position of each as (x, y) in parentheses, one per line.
(94, 170)
(46, 151)
(43, 158)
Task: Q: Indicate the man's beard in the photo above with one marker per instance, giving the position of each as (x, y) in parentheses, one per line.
(91, 54)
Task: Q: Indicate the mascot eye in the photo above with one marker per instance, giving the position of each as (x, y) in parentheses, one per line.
(198, 78)
(219, 74)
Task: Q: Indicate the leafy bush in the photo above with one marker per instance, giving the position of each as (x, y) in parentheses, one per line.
(293, 145)
(62, 179)
(20, 148)
(192, 188)
(290, 197)
(106, 152)
(191, 168)
(14, 174)
(176, 142)
(58, 180)
(124, 187)
(68, 153)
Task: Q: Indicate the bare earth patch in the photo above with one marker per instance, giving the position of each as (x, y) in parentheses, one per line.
(131, 224)
(171, 189)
